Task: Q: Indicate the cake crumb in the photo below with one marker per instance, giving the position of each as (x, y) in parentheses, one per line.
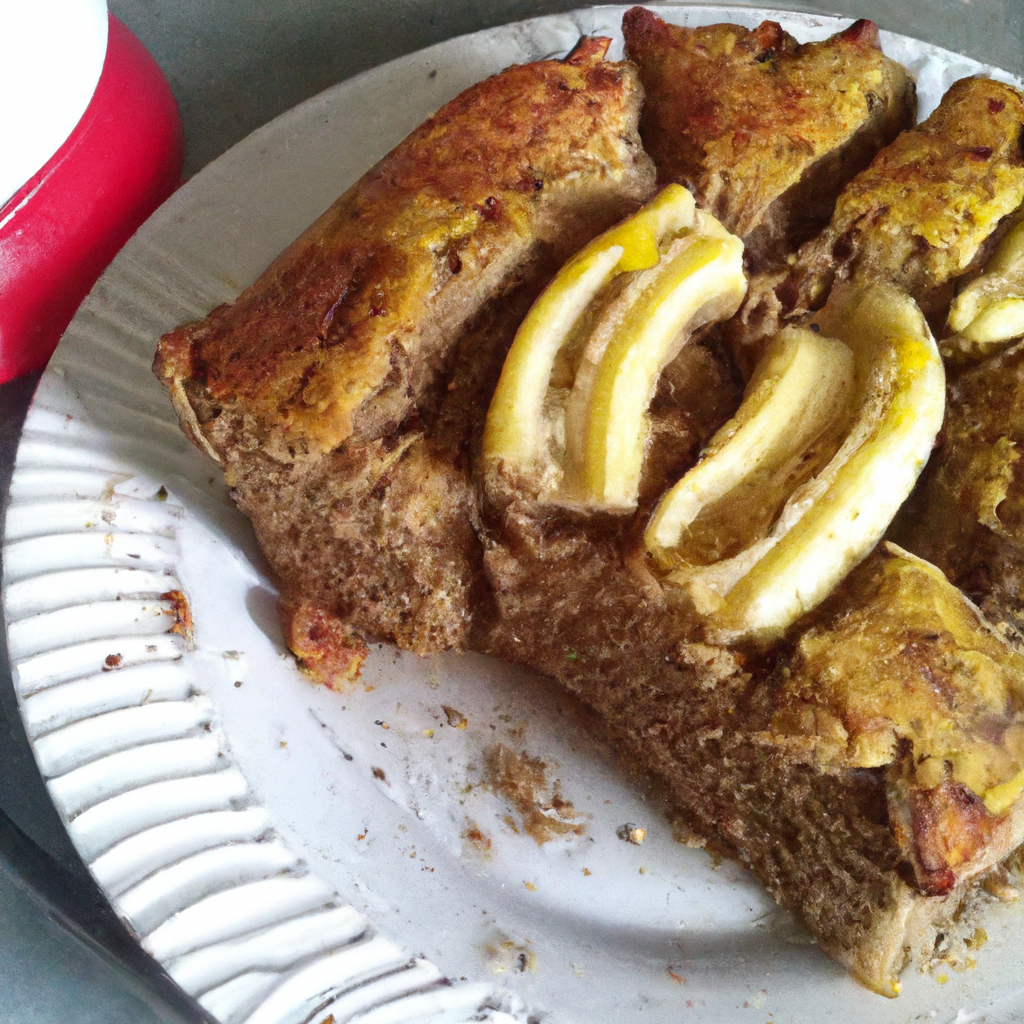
(630, 833)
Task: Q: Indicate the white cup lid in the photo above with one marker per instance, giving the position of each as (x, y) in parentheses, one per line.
(51, 56)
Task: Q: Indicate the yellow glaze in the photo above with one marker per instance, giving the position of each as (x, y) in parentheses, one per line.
(910, 659)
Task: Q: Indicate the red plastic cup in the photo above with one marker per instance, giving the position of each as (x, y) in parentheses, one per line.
(63, 226)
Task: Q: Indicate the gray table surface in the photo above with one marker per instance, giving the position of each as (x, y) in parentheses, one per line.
(233, 65)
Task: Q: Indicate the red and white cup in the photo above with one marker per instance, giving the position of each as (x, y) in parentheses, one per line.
(92, 144)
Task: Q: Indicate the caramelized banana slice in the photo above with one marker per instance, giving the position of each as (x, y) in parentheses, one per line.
(700, 279)
(834, 519)
(517, 429)
(990, 310)
(789, 425)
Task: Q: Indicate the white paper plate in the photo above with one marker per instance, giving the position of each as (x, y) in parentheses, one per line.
(287, 852)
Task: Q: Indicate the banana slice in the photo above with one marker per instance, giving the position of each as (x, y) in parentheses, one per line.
(829, 523)
(518, 428)
(990, 310)
(700, 279)
(795, 410)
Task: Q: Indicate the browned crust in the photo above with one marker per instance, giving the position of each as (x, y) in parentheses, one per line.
(967, 515)
(741, 116)
(327, 648)
(181, 612)
(353, 309)
(944, 829)
(917, 217)
(395, 309)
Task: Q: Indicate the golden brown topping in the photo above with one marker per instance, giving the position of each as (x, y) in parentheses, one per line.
(916, 218)
(902, 656)
(363, 305)
(918, 215)
(943, 829)
(740, 116)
